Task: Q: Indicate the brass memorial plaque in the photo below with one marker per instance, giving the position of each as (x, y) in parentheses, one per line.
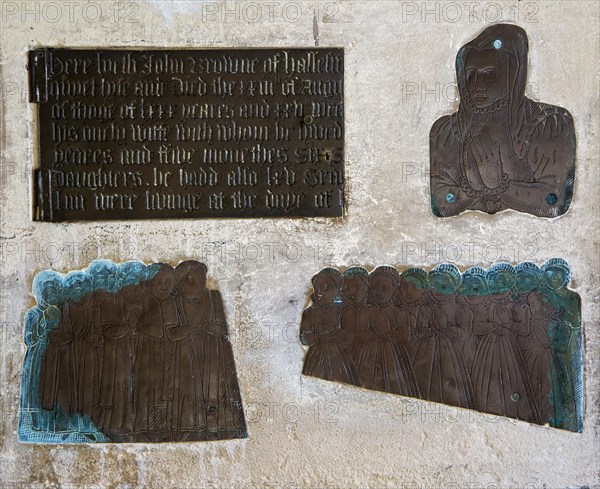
(128, 353)
(501, 150)
(505, 341)
(151, 134)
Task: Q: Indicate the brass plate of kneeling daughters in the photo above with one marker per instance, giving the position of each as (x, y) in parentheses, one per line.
(506, 341)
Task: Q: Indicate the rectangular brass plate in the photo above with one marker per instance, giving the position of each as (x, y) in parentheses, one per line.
(151, 134)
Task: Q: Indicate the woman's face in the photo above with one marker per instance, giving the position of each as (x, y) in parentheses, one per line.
(527, 281)
(442, 283)
(354, 290)
(324, 290)
(410, 291)
(473, 285)
(539, 306)
(500, 282)
(485, 75)
(556, 277)
(162, 284)
(382, 289)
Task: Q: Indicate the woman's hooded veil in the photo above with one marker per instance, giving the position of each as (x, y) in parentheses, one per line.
(541, 138)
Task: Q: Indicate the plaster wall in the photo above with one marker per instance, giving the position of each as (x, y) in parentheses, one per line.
(304, 432)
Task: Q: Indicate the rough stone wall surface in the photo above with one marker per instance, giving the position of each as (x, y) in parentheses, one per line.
(304, 432)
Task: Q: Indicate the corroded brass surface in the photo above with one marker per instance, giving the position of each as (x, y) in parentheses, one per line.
(128, 353)
(505, 341)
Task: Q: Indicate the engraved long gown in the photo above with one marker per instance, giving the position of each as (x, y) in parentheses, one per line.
(120, 315)
(499, 373)
(152, 379)
(439, 366)
(381, 358)
(38, 323)
(464, 318)
(57, 376)
(206, 397)
(88, 341)
(328, 356)
(408, 312)
(549, 378)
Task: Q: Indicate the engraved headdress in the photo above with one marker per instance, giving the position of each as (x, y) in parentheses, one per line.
(41, 288)
(331, 273)
(416, 276)
(445, 278)
(360, 272)
(528, 276)
(474, 281)
(387, 271)
(557, 273)
(501, 277)
(511, 42)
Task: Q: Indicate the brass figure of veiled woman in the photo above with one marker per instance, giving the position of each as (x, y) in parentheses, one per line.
(500, 150)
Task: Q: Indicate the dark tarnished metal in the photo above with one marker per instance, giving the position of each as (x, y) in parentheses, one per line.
(128, 353)
(505, 341)
(142, 134)
(501, 150)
